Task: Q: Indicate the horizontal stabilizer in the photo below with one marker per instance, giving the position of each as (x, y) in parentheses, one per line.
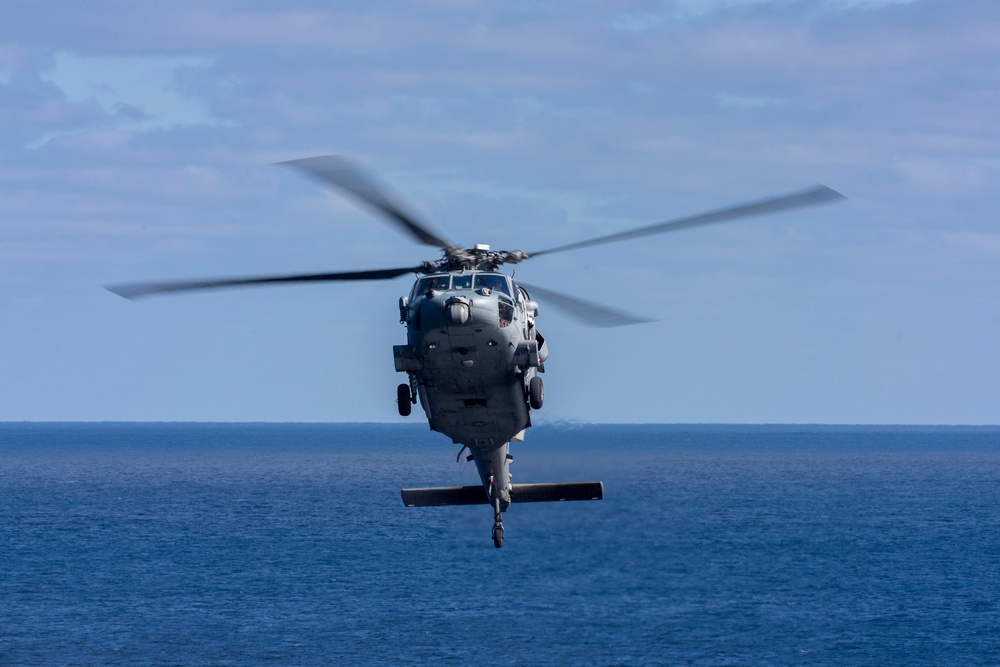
(519, 493)
(544, 493)
(445, 495)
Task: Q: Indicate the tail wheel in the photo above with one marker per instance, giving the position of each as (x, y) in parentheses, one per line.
(403, 400)
(535, 393)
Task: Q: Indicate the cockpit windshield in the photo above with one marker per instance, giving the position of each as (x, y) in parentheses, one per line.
(461, 281)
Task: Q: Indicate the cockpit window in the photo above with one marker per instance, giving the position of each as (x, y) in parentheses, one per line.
(425, 285)
(461, 281)
(493, 282)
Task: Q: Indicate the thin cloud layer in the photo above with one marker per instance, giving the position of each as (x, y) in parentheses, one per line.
(132, 94)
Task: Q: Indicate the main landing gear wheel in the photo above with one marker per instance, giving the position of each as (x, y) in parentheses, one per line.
(535, 393)
(403, 400)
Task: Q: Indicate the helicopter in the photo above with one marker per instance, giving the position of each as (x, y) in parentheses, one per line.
(473, 356)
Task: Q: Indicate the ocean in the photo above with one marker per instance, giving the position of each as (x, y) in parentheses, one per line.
(288, 544)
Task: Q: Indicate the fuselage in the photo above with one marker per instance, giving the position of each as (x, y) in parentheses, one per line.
(471, 351)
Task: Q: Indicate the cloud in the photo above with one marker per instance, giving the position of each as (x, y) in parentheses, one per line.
(948, 176)
(728, 100)
(135, 94)
(686, 10)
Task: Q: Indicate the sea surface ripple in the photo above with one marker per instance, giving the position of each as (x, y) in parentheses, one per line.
(287, 544)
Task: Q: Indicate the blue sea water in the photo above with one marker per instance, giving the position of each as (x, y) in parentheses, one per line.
(287, 544)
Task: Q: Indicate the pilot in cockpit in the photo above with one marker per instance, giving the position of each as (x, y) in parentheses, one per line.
(492, 282)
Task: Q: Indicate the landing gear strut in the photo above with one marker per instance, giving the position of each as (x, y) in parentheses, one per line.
(497, 524)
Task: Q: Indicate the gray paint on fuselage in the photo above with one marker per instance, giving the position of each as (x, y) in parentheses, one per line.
(470, 387)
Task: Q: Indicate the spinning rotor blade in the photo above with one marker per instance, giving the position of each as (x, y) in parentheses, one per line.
(338, 172)
(138, 290)
(584, 311)
(814, 196)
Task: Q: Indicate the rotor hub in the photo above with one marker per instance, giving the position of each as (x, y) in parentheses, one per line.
(478, 258)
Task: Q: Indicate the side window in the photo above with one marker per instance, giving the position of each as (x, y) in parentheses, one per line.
(505, 311)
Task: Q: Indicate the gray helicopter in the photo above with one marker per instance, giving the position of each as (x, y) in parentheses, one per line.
(473, 354)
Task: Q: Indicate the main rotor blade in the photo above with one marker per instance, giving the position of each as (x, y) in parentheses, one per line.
(135, 291)
(340, 173)
(584, 311)
(814, 196)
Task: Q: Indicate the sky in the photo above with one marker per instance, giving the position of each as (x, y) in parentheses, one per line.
(137, 142)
